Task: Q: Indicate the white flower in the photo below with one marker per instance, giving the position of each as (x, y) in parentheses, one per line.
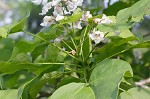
(97, 36)
(48, 20)
(59, 17)
(37, 2)
(77, 25)
(46, 7)
(58, 9)
(73, 4)
(86, 15)
(97, 20)
(105, 20)
(55, 2)
(44, 2)
(57, 41)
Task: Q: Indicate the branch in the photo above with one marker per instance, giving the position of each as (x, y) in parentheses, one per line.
(143, 83)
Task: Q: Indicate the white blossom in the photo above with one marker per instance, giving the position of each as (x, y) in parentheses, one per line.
(77, 25)
(105, 20)
(44, 2)
(46, 7)
(86, 15)
(97, 36)
(59, 17)
(58, 9)
(97, 20)
(57, 41)
(55, 2)
(48, 20)
(73, 4)
(61, 9)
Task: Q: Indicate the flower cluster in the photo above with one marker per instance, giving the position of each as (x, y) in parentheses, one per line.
(98, 36)
(64, 8)
(61, 8)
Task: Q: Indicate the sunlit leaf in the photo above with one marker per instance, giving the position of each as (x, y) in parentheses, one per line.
(106, 77)
(73, 91)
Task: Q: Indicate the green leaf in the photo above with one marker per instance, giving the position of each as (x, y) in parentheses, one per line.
(113, 28)
(51, 53)
(113, 9)
(17, 27)
(6, 48)
(10, 67)
(106, 77)
(31, 88)
(3, 32)
(117, 46)
(67, 80)
(26, 46)
(7, 94)
(135, 93)
(73, 91)
(132, 13)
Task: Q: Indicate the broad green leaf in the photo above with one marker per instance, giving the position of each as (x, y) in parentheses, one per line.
(3, 32)
(117, 46)
(10, 67)
(135, 93)
(36, 87)
(6, 48)
(39, 59)
(26, 46)
(39, 50)
(114, 8)
(51, 53)
(17, 27)
(24, 89)
(134, 14)
(16, 79)
(67, 80)
(73, 91)
(31, 88)
(8, 94)
(113, 28)
(106, 77)
(22, 57)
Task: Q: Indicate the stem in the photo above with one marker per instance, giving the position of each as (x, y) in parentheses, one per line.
(85, 74)
(57, 64)
(122, 89)
(90, 52)
(52, 45)
(73, 43)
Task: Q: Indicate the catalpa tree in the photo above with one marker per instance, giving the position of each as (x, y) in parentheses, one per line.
(76, 56)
